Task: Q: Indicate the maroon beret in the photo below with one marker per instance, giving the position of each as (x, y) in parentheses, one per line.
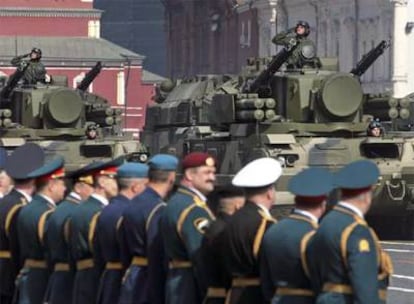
(198, 159)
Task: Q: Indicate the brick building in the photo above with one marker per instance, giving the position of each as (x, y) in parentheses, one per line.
(68, 32)
(217, 36)
(137, 25)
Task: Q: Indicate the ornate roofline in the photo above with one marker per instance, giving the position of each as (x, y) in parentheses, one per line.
(49, 12)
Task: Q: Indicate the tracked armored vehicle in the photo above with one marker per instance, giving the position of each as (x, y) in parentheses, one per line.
(80, 126)
(305, 117)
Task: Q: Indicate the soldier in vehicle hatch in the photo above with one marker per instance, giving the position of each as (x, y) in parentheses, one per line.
(35, 71)
(305, 53)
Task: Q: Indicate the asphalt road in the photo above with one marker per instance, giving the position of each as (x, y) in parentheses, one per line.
(401, 289)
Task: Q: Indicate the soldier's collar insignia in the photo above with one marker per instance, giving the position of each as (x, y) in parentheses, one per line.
(363, 246)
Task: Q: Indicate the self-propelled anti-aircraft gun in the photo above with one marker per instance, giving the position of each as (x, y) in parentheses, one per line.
(304, 117)
(74, 123)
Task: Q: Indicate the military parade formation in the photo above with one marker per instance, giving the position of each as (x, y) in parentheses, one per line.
(124, 233)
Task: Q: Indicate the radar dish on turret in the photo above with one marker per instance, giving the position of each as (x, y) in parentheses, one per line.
(64, 106)
(341, 95)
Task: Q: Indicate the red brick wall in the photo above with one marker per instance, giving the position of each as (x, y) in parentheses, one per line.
(42, 26)
(46, 3)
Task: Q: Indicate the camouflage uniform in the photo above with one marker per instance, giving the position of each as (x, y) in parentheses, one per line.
(33, 73)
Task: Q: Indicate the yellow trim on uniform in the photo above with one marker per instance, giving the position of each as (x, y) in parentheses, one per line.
(41, 225)
(266, 216)
(84, 264)
(9, 218)
(139, 261)
(384, 260)
(216, 292)
(31, 263)
(344, 240)
(113, 266)
(338, 288)
(259, 237)
(347, 289)
(152, 213)
(182, 218)
(288, 291)
(5, 254)
(245, 282)
(198, 201)
(174, 264)
(61, 267)
(92, 227)
(304, 218)
(303, 244)
(382, 293)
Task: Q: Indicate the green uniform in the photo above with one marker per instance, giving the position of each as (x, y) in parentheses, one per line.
(10, 207)
(282, 265)
(60, 284)
(32, 280)
(345, 259)
(82, 230)
(183, 223)
(305, 46)
(34, 72)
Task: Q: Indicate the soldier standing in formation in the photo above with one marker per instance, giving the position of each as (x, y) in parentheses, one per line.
(183, 224)
(261, 261)
(23, 161)
(82, 232)
(60, 285)
(35, 71)
(230, 199)
(142, 248)
(31, 222)
(353, 268)
(246, 228)
(284, 272)
(132, 178)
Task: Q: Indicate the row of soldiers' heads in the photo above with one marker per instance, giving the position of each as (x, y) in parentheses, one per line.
(311, 186)
(27, 166)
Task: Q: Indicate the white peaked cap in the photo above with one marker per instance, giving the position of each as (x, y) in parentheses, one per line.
(258, 173)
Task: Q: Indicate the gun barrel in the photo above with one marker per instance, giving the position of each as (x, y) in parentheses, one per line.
(90, 76)
(277, 61)
(369, 58)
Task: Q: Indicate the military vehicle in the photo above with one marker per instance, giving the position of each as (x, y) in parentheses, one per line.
(80, 126)
(304, 117)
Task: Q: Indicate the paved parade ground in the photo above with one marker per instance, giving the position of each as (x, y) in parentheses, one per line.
(401, 290)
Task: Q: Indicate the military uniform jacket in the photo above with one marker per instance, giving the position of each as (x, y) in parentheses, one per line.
(296, 60)
(35, 71)
(82, 234)
(244, 234)
(214, 241)
(31, 225)
(10, 207)
(60, 284)
(352, 268)
(142, 245)
(183, 224)
(107, 250)
(282, 261)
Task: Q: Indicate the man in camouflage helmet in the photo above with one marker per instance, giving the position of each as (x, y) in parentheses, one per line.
(304, 53)
(34, 70)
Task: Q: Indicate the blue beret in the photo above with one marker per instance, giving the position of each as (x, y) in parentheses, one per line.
(50, 170)
(132, 170)
(163, 162)
(311, 182)
(357, 175)
(24, 160)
